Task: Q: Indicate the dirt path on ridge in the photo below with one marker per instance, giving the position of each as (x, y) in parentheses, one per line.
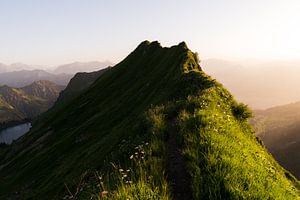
(178, 178)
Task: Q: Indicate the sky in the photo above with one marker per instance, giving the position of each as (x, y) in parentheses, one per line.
(53, 32)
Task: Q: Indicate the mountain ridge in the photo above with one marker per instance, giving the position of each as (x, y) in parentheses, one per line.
(23, 78)
(120, 123)
(19, 104)
(80, 82)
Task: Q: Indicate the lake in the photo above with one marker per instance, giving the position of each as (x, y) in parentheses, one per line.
(10, 134)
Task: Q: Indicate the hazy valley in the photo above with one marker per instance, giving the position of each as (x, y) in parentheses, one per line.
(279, 128)
(259, 84)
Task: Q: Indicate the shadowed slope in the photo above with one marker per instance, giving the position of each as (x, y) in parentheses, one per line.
(92, 126)
(80, 82)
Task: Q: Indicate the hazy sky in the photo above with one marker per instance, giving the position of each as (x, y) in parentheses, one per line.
(51, 32)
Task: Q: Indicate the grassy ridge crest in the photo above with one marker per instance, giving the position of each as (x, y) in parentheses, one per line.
(112, 137)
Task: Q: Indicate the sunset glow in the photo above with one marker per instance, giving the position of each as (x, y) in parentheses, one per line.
(51, 32)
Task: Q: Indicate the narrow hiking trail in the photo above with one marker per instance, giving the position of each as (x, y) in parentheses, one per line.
(178, 178)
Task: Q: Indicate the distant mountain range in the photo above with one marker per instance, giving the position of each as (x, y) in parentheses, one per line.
(17, 67)
(70, 68)
(76, 67)
(61, 75)
(26, 77)
(17, 104)
(279, 128)
(259, 84)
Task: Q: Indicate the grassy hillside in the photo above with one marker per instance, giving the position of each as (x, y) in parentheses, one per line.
(126, 137)
(80, 82)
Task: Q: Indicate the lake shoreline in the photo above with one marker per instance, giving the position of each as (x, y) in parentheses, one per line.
(5, 125)
(9, 135)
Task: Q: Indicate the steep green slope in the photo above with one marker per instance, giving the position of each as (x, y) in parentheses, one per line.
(113, 139)
(224, 154)
(80, 82)
(17, 104)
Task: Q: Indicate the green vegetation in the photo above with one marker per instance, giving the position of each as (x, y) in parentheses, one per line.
(78, 84)
(241, 111)
(109, 142)
(224, 158)
(18, 104)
